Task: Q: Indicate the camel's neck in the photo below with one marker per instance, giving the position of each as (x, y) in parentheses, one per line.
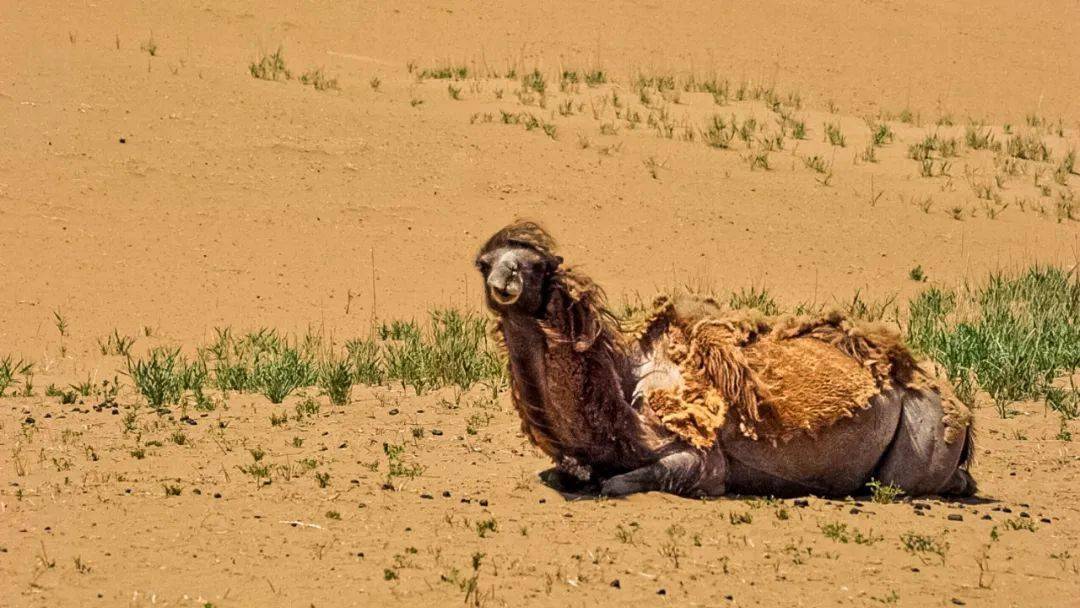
(574, 403)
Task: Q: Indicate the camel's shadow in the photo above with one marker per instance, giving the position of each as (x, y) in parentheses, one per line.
(574, 489)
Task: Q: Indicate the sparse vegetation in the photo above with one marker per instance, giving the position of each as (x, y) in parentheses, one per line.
(1014, 334)
(320, 81)
(270, 67)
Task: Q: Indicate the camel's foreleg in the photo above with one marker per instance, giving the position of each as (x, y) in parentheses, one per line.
(687, 472)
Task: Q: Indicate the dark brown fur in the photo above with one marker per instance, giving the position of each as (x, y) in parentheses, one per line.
(579, 406)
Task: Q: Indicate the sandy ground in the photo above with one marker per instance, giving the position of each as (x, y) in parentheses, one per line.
(176, 192)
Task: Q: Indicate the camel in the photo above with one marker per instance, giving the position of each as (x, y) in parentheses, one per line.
(698, 401)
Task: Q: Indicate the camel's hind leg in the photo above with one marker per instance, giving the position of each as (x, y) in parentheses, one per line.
(688, 473)
(919, 461)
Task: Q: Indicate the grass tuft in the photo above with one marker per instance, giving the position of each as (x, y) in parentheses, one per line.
(1014, 334)
(270, 67)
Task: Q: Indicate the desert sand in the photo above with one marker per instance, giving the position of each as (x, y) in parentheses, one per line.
(150, 184)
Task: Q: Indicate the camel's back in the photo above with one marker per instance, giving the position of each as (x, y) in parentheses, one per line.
(770, 378)
(811, 385)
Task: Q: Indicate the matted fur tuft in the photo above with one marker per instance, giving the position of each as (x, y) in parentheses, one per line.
(777, 377)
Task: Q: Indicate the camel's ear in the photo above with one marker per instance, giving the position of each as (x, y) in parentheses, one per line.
(554, 262)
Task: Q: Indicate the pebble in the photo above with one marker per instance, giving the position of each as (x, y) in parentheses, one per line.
(446, 493)
(662, 592)
(436, 432)
(987, 516)
(616, 584)
(956, 517)
(1045, 520)
(801, 502)
(958, 602)
(855, 511)
(217, 494)
(426, 496)
(483, 502)
(1024, 514)
(393, 412)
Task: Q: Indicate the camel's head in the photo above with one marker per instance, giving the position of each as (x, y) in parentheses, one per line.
(517, 263)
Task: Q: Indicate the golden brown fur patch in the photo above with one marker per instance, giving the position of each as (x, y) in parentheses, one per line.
(775, 378)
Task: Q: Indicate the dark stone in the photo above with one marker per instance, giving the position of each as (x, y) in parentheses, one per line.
(1045, 520)
(855, 511)
(426, 496)
(1025, 515)
(393, 412)
(958, 602)
(446, 493)
(801, 502)
(483, 502)
(217, 494)
(436, 432)
(987, 516)
(616, 584)
(956, 517)
(123, 140)
(662, 592)
(543, 500)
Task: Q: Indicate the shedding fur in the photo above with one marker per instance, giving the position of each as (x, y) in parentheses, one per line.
(775, 378)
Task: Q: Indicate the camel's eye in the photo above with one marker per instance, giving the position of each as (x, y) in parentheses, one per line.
(484, 266)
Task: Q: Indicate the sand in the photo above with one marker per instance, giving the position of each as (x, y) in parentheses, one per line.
(173, 193)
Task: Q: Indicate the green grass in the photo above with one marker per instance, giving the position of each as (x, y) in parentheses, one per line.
(840, 533)
(335, 379)
(932, 146)
(1013, 334)
(455, 72)
(10, 368)
(980, 138)
(755, 298)
(919, 544)
(883, 493)
(270, 67)
(116, 344)
(453, 349)
(834, 136)
(534, 81)
(1027, 147)
(718, 133)
(316, 78)
(282, 372)
(158, 377)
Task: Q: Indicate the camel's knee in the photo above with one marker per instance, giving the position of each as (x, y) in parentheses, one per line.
(689, 473)
(920, 460)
